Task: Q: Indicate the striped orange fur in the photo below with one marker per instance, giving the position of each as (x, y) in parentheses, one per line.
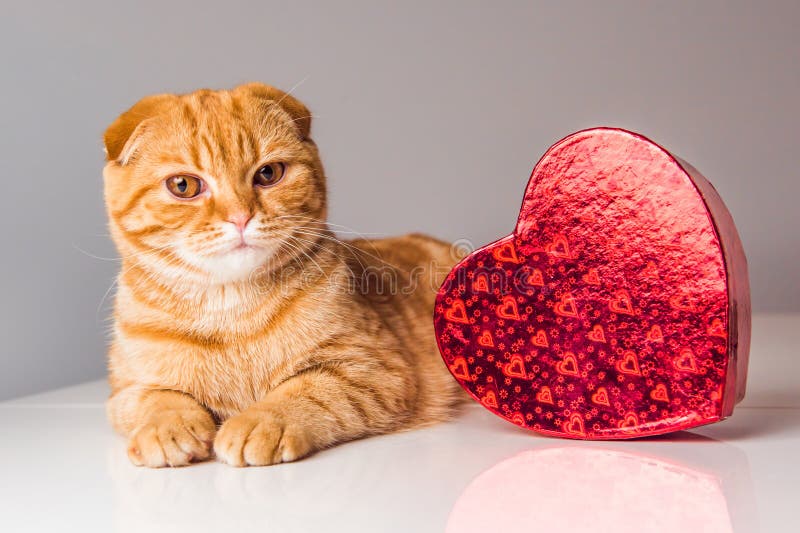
(264, 341)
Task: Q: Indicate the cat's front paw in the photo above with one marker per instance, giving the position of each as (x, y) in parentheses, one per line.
(172, 438)
(258, 437)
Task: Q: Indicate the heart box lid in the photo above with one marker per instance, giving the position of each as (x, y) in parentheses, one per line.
(619, 307)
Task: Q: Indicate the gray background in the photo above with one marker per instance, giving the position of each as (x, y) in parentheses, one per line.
(429, 118)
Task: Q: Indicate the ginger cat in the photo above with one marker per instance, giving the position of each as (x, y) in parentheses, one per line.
(242, 324)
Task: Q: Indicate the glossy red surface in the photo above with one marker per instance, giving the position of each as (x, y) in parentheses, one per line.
(584, 489)
(618, 308)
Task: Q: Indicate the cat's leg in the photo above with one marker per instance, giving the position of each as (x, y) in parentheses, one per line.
(165, 427)
(319, 407)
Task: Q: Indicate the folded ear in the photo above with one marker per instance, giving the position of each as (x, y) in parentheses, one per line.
(299, 112)
(119, 137)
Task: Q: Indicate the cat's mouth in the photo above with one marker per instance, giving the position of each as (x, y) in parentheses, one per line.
(240, 249)
(234, 262)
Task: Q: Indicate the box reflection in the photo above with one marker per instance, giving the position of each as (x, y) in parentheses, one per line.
(591, 489)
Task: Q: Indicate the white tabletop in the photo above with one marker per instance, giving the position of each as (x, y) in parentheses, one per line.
(63, 469)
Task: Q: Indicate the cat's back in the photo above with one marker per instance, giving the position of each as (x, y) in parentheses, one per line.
(418, 261)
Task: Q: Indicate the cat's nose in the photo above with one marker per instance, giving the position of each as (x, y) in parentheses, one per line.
(240, 220)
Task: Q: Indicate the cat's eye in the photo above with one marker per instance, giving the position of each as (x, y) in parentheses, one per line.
(269, 175)
(184, 186)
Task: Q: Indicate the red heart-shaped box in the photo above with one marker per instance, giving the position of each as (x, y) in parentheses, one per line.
(618, 308)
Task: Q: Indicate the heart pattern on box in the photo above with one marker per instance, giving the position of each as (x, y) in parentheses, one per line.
(606, 314)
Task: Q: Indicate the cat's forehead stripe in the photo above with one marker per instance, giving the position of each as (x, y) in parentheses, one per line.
(223, 139)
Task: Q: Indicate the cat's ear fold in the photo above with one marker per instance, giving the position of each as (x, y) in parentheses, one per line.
(294, 107)
(119, 138)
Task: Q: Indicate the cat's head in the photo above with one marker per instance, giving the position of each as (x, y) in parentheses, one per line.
(211, 183)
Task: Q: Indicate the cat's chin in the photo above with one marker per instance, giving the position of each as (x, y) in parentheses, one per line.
(236, 265)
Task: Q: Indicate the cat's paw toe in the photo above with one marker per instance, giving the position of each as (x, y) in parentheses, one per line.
(173, 438)
(259, 438)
